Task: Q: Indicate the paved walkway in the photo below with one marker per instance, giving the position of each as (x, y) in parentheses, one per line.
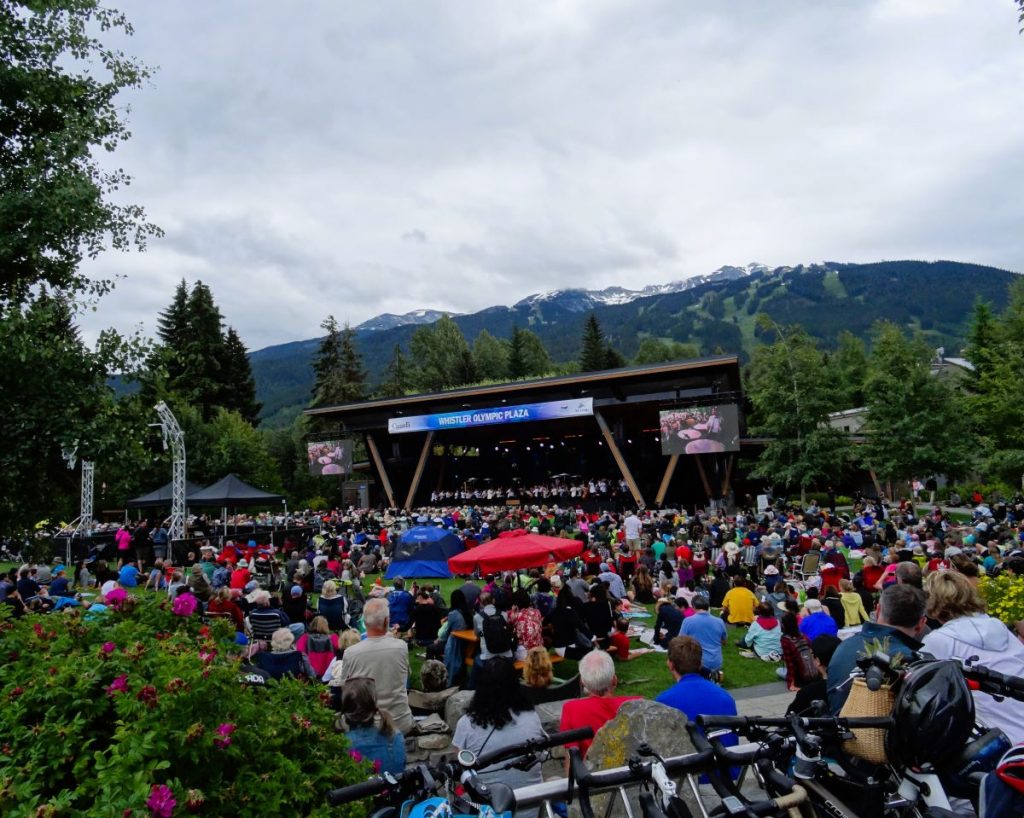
(769, 699)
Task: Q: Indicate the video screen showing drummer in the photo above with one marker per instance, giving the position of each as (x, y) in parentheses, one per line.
(700, 430)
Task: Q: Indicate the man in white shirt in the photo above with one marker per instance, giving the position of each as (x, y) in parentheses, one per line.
(632, 527)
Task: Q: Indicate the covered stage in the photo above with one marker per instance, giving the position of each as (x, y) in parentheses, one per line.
(656, 429)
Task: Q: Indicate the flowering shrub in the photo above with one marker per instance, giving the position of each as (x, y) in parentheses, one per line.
(142, 714)
(1005, 597)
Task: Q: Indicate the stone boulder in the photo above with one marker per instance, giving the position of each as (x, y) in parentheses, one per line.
(639, 722)
(456, 706)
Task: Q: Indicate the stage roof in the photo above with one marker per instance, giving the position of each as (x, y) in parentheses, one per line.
(662, 382)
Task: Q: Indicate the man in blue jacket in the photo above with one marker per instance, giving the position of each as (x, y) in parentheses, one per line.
(901, 621)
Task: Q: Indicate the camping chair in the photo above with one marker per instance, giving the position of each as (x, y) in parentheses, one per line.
(808, 566)
(557, 691)
(261, 622)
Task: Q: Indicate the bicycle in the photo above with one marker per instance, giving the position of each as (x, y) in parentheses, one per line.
(424, 789)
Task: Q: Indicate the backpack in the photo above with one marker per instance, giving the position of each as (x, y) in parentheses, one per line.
(806, 668)
(318, 643)
(497, 634)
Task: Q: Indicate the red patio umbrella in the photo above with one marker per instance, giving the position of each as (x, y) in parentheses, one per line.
(513, 551)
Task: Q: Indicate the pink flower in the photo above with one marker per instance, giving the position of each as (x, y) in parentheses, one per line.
(161, 801)
(356, 755)
(109, 647)
(119, 685)
(224, 731)
(376, 765)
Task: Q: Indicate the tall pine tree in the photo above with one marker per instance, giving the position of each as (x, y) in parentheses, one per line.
(340, 377)
(172, 330)
(398, 379)
(593, 349)
(239, 385)
(202, 353)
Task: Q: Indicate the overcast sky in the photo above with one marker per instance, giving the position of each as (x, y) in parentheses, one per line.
(354, 158)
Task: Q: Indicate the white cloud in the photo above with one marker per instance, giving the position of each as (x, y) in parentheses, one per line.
(364, 157)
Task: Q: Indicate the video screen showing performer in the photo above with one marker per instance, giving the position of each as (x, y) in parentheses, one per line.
(700, 429)
(327, 457)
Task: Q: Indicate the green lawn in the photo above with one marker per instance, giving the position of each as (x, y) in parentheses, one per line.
(646, 675)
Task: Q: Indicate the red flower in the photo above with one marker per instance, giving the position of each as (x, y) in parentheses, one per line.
(108, 647)
(147, 695)
(15, 693)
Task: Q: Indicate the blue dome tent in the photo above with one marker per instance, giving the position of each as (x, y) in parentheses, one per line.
(424, 552)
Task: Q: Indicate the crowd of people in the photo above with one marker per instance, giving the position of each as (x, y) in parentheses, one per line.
(787, 585)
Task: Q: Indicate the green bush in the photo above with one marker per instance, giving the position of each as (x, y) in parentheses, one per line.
(141, 713)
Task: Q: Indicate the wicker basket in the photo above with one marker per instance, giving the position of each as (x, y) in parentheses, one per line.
(868, 744)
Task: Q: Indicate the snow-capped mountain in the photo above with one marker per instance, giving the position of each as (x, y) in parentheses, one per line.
(389, 320)
(581, 300)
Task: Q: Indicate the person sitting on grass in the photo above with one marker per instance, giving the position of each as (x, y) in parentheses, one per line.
(738, 605)
(764, 634)
(619, 646)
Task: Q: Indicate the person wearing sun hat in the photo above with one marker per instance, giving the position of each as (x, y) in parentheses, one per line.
(240, 576)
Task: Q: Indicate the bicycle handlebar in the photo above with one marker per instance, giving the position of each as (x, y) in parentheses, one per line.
(448, 770)
(994, 682)
(532, 746)
(745, 724)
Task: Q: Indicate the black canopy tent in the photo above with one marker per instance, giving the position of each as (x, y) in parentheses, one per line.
(161, 496)
(232, 491)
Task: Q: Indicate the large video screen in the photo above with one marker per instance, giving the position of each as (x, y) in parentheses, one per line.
(329, 457)
(700, 429)
(550, 410)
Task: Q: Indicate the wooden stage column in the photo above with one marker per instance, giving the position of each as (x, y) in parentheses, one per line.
(418, 475)
(627, 475)
(371, 444)
(670, 469)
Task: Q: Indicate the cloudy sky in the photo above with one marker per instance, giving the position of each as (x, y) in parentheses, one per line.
(349, 157)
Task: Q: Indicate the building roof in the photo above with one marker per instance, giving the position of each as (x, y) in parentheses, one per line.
(621, 382)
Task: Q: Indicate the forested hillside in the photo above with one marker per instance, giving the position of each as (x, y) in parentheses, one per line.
(933, 297)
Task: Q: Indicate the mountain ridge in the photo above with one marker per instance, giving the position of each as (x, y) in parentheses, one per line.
(715, 312)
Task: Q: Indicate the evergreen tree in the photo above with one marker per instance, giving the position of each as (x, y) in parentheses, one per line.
(339, 372)
(517, 364)
(465, 368)
(983, 339)
(613, 359)
(914, 426)
(352, 372)
(491, 356)
(172, 329)
(398, 378)
(593, 349)
(239, 385)
(202, 353)
(791, 399)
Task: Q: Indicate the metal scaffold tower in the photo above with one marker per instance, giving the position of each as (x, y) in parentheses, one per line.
(175, 439)
(85, 519)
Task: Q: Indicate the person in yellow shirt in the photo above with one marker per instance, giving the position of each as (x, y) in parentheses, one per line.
(853, 605)
(739, 603)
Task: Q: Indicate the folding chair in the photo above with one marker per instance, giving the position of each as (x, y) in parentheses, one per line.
(261, 622)
(808, 566)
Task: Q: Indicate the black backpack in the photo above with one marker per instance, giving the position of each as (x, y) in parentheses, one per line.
(806, 668)
(497, 634)
(319, 643)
